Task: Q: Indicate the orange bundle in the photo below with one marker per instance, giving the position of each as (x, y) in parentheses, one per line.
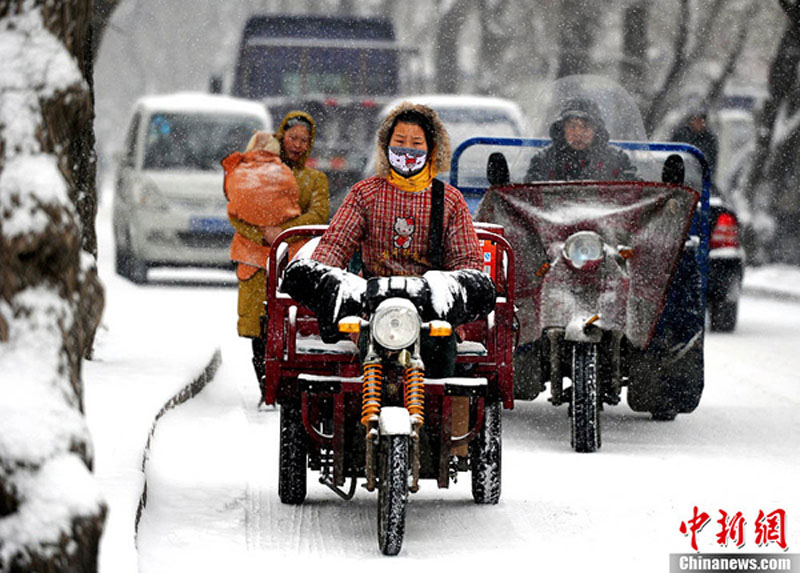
(260, 188)
(261, 191)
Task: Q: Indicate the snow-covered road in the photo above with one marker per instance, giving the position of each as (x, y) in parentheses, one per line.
(212, 502)
(212, 477)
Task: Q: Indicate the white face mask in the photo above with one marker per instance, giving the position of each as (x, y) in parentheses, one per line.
(407, 161)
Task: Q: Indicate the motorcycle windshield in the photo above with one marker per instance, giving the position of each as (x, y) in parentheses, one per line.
(652, 219)
(614, 114)
(613, 105)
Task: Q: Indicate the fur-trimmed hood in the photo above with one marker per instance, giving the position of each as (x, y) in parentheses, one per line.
(309, 119)
(440, 154)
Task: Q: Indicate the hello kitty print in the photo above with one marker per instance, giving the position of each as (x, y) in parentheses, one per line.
(403, 231)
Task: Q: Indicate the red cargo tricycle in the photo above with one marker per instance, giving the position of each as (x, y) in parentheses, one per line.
(372, 414)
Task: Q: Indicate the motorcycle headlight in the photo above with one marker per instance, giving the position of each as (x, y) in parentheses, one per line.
(395, 324)
(582, 248)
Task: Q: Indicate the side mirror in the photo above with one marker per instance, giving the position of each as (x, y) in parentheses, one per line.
(673, 170)
(497, 169)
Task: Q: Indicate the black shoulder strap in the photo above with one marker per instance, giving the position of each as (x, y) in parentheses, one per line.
(436, 249)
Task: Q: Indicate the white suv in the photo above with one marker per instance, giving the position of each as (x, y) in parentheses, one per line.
(169, 205)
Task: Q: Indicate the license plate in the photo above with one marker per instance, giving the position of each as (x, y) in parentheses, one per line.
(213, 225)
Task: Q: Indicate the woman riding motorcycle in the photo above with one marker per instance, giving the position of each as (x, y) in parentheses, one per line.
(405, 223)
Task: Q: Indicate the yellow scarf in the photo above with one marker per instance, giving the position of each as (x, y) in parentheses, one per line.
(414, 183)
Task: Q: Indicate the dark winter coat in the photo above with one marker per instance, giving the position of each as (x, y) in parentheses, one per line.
(705, 141)
(600, 162)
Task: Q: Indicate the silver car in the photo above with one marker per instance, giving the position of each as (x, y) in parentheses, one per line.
(169, 205)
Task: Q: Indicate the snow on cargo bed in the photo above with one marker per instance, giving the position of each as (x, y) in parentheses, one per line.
(314, 345)
(452, 381)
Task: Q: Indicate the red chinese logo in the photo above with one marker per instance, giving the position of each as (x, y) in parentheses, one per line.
(731, 529)
(769, 528)
(695, 525)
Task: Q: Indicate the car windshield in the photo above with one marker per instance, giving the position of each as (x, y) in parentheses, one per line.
(195, 141)
(465, 123)
(300, 71)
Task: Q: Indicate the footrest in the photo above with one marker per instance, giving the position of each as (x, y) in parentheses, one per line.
(472, 387)
(316, 384)
(320, 384)
(471, 348)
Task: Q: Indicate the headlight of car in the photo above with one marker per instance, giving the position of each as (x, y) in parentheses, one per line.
(395, 324)
(582, 248)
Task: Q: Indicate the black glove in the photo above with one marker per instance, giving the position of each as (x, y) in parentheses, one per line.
(460, 296)
(331, 293)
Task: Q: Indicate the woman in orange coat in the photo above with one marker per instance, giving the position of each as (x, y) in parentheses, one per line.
(269, 189)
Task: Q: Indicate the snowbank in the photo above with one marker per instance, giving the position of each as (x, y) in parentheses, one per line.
(779, 281)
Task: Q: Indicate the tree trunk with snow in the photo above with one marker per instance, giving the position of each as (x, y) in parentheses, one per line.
(51, 513)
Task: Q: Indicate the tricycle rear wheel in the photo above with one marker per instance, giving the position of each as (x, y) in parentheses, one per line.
(486, 453)
(722, 314)
(392, 493)
(666, 383)
(292, 465)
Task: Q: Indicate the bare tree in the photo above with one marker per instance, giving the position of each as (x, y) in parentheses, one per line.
(576, 36)
(775, 159)
(633, 66)
(689, 47)
(452, 16)
(50, 296)
(507, 44)
(495, 39)
(101, 15)
(718, 85)
(677, 69)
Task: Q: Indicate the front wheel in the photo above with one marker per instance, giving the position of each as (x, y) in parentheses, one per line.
(292, 457)
(392, 493)
(585, 414)
(137, 269)
(486, 453)
(121, 263)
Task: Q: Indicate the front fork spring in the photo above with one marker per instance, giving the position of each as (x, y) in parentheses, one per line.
(414, 399)
(370, 410)
(371, 392)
